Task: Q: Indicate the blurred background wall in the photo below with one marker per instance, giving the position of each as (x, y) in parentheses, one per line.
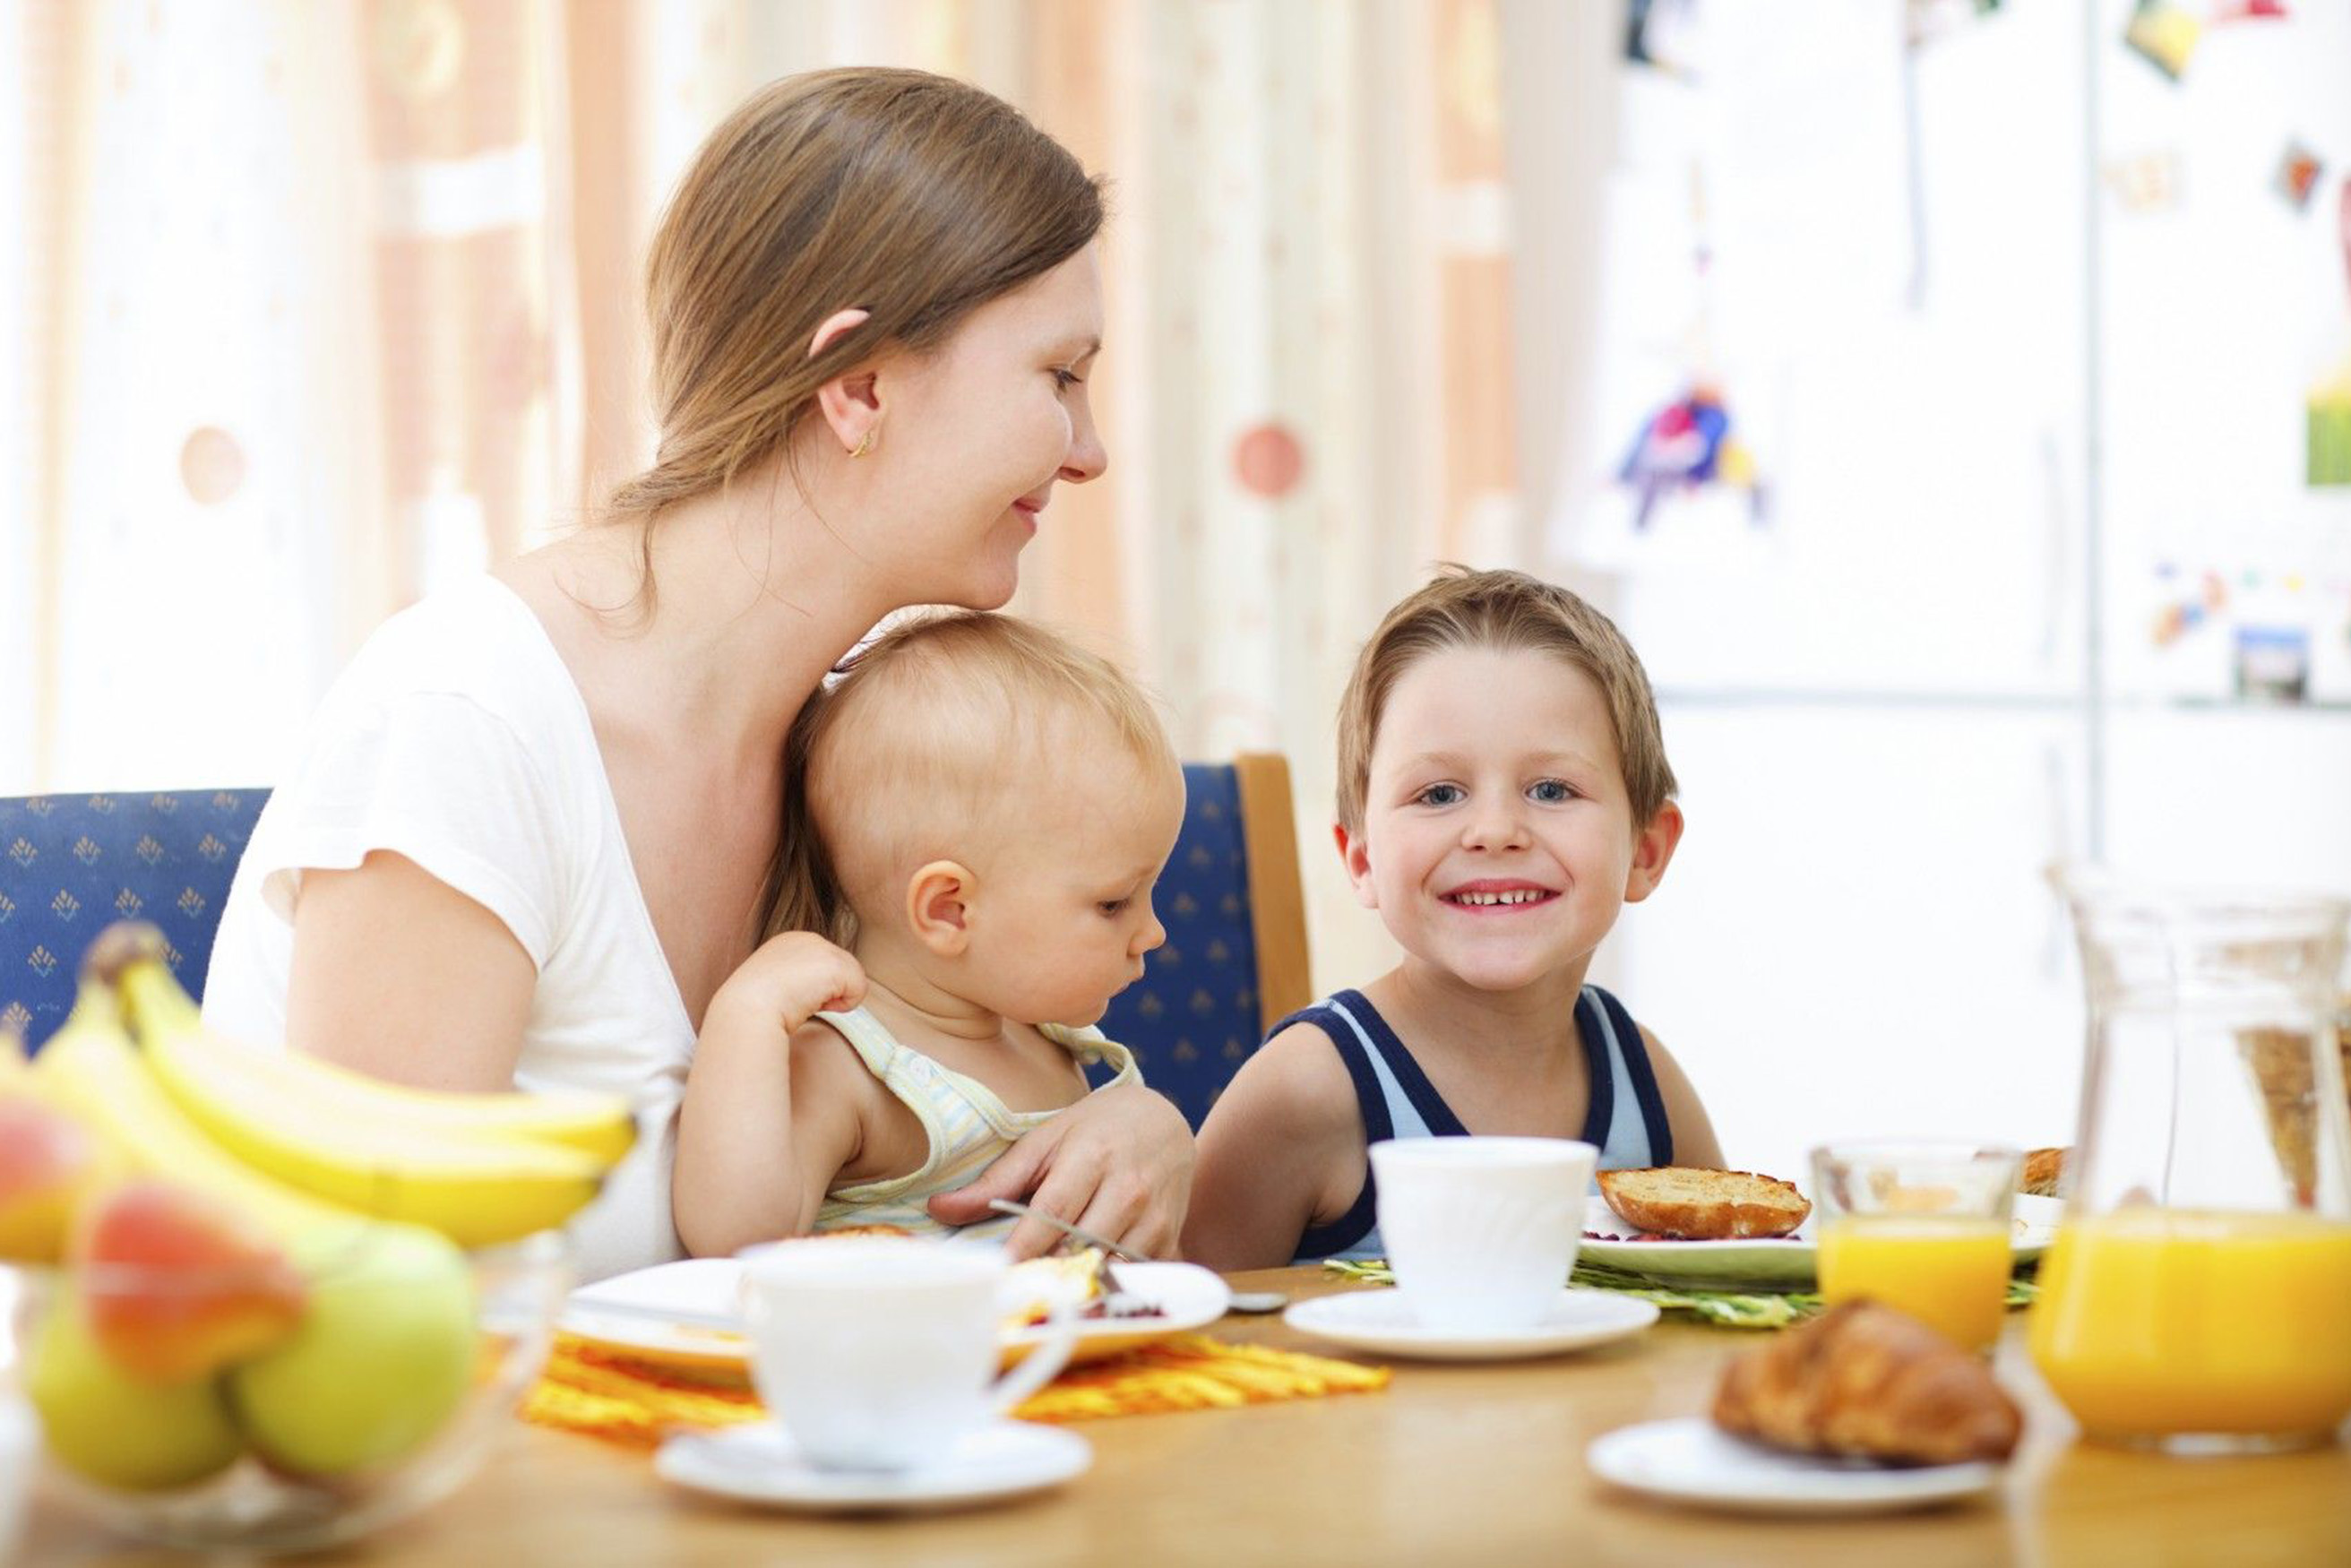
(1952, 398)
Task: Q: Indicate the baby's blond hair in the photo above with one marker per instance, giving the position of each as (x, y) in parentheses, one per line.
(1505, 610)
(911, 749)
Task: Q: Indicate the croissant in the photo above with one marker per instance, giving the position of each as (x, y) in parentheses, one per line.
(1864, 1380)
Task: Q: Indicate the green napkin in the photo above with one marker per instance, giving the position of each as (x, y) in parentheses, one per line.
(1728, 1309)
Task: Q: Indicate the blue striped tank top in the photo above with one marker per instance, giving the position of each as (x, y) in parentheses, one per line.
(1397, 1101)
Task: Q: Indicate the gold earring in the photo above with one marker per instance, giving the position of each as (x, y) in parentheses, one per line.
(864, 443)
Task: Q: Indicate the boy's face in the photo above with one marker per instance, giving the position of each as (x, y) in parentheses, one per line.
(1061, 919)
(1498, 843)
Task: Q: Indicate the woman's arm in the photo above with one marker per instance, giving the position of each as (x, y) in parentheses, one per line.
(397, 975)
(1118, 1162)
(770, 1112)
(1694, 1140)
(1282, 1137)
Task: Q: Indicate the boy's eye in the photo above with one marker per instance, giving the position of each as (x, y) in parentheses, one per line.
(1440, 795)
(1114, 905)
(1063, 379)
(1552, 791)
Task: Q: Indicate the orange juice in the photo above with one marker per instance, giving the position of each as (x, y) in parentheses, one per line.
(2156, 1324)
(1951, 1274)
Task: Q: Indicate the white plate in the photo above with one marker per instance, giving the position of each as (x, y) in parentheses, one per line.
(759, 1463)
(1778, 1263)
(1384, 1321)
(686, 1313)
(1691, 1460)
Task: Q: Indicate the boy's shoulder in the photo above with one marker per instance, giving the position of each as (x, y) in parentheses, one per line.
(1300, 1064)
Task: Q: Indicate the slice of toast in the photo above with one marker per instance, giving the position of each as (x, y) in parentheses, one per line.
(1702, 1204)
(2043, 1172)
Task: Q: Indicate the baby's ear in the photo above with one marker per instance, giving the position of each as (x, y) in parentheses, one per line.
(1356, 856)
(1653, 847)
(938, 900)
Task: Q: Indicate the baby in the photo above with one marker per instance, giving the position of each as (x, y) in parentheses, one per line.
(979, 813)
(1503, 792)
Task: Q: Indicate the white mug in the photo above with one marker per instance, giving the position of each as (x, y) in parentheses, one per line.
(880, 1355)
(1481, 1232)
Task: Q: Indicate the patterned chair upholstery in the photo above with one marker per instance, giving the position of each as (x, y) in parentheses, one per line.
(69, 864)
(1235, 961)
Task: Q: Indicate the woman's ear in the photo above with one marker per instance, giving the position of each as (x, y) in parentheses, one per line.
(850, 404)
(1356, 856)
(1653, 846)
(938, 907)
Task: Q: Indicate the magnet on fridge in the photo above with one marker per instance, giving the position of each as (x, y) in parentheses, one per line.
(2327, 411)
(2146, 182)
(2164, 35)
(2297, 175)
(2272, 663)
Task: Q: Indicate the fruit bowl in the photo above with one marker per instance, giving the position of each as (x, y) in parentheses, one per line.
(387, 1396)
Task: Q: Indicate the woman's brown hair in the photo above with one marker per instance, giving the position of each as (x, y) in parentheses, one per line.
(914, 197)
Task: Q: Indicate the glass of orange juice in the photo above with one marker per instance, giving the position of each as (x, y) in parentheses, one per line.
(2197, 1296)
(1922, 1227)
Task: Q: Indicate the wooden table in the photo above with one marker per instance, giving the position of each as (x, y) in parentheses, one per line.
(1463, 1465)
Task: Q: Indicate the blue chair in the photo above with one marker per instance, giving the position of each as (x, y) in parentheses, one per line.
(70, 864)
(1235, 962)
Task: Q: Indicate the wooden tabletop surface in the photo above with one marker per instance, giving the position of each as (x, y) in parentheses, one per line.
(1451, 1464)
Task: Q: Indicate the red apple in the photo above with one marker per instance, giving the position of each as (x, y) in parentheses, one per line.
(177, 1285)
(48, 1164)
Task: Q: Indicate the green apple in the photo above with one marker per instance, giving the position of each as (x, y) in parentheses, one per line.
(108, 1427)
(384, 1356)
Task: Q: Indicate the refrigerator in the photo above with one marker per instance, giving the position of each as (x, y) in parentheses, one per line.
(1960, 487)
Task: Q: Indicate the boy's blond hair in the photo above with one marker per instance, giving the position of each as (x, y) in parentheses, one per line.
(1506, 611)
(920, 743)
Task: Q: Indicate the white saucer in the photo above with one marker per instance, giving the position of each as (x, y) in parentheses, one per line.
(759, 1463)
(1692, 1460)
(1384, 1321)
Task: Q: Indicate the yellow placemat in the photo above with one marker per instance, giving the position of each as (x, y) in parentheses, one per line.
(584, 1389)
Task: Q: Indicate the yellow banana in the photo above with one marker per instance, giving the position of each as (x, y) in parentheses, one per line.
(92, 1071)
(476, 1190)
(598, 1126)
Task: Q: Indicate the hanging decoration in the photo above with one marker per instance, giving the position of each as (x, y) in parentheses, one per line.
(1691, 442)
(1685, 444)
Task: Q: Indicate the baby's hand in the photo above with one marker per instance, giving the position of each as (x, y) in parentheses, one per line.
(798, 975)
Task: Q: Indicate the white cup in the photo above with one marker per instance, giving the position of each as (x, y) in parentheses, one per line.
(880, 1355)
(1481, 1232)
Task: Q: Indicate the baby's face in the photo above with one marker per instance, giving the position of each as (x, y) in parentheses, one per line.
(1062, 915)
(1497, 840)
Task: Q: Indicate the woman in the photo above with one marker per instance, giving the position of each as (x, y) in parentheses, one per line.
(532, 829)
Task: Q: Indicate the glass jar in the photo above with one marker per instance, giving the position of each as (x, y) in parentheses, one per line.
(2197, 1297)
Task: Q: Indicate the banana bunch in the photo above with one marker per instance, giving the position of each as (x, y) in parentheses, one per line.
(257, 1254)
(479, 1168)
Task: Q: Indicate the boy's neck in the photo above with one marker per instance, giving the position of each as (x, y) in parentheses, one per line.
(1439, 1007)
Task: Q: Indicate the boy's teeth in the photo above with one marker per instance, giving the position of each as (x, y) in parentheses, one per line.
(1516, 896)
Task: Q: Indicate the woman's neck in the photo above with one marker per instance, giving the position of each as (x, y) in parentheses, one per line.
(752, 603)
(1428, 1003)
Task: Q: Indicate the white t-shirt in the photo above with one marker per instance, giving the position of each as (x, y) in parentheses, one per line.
(458, 739)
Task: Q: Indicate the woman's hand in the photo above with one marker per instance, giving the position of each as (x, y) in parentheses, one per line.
(1118, 1162)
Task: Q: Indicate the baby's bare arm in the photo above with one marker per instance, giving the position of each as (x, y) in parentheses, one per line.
(1695, 1143)
(771, 1102)
(1284, 1144)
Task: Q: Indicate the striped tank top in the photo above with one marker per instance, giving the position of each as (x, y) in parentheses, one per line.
(1624, 1119)
(969, 1126)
